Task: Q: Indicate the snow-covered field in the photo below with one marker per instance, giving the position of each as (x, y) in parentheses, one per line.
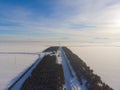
(104, 61)
(71, 79)
(12, 65)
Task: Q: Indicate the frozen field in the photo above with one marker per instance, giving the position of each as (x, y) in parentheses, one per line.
(11, 65)
(103, 60)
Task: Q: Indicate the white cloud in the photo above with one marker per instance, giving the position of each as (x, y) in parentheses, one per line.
(96, 16)
(103, 17)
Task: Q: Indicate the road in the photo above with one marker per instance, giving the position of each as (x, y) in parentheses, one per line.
(70, 78)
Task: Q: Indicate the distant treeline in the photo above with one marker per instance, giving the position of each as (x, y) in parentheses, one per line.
(83, 72)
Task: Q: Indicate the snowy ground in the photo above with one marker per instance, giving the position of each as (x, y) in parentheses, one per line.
(17, 85)
(105, 61)
(71, 79)
(93, 56)
(12, 65)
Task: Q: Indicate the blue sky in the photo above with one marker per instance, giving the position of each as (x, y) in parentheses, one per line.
(78, 20)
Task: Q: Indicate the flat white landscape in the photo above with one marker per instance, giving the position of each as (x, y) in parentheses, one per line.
(104, 61)
(12, 65)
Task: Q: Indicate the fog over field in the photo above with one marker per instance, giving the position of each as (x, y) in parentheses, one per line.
(90, 28)
(103, 60)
